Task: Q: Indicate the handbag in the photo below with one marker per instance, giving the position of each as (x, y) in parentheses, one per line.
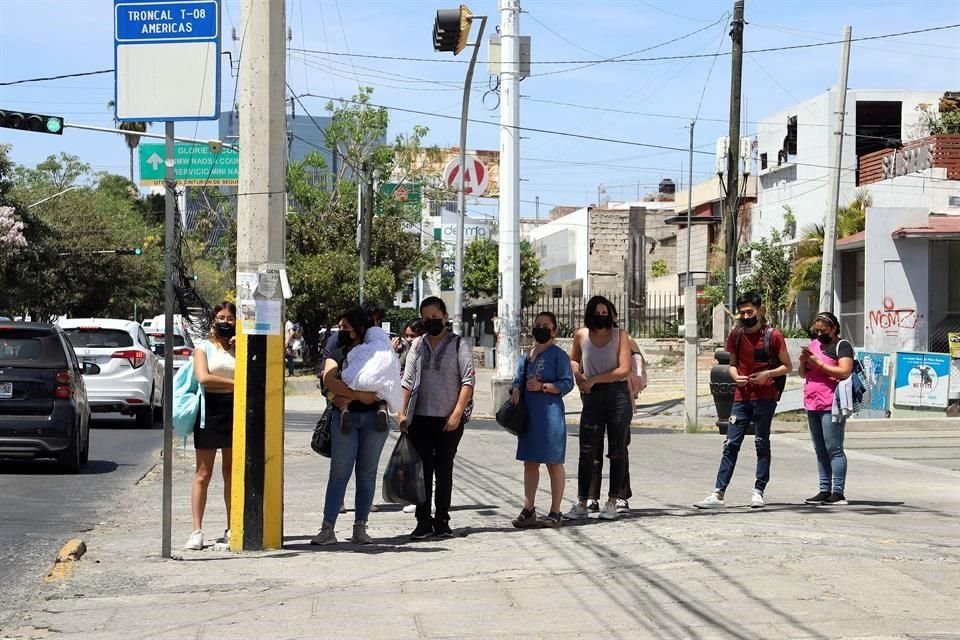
(513, 417)
(320, 442)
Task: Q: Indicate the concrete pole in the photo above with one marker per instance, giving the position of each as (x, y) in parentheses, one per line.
(257, 494)
(691, 343)
(830, 226)
(508, 305)
(733, 153)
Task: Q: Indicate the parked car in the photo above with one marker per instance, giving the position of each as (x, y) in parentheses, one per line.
(182, 345)
(130, 380)
(44, 409)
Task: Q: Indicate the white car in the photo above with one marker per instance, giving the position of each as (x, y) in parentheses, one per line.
(182, 345)
(131, 376)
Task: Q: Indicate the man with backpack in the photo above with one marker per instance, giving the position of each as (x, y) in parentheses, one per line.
(759, 364)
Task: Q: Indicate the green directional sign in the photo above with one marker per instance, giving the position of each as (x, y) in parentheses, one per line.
(195, 165)
(408, 193)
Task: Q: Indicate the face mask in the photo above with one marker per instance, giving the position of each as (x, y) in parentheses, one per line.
(825, 338)
(434, 326)
(749, 322)
(542, 334)
(225, 330)
(602, 322)
(344, 338)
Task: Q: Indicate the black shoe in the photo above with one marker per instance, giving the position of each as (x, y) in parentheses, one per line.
(819, 498)
(441, 529)
(382, 420)
(424, 530)
(835, 499)
(345, 422)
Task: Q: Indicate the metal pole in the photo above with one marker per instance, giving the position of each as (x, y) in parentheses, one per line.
(830, 227)
(169, 248)
(733, 153)
(508, 306)
(362, 234)
(691, 342)
(87, 127)
(461, 179)
(56, 195)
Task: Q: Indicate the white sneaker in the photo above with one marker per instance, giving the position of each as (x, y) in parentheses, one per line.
(577, 512)
(410, 508)
(226, 536)
(756, 500)
(712, 501)
(195, 541)
(609, 511)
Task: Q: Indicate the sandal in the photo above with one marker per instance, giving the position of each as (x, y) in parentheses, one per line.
(552, 520)
(526, 519)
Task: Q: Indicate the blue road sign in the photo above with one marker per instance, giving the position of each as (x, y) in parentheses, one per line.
(167, 21)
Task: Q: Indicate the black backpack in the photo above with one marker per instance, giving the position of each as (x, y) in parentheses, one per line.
(780, 381)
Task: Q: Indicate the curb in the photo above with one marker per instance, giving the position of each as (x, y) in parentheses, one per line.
(67, 558)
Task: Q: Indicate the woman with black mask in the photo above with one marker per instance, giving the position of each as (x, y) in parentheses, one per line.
(601, 362)
(214, 363)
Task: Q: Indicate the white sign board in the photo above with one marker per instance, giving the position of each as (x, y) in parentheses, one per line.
(475, 180)
(167, 60)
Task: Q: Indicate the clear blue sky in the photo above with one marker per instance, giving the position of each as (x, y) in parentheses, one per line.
(50, 37)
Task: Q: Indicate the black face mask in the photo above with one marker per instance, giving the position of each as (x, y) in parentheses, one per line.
(749, 322)
(434, 326)
(344, 338)
(824, 338)
(601, 322)
(225, 330)
(542, 334)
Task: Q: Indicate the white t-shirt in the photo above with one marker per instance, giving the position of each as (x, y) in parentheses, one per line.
(221, 363)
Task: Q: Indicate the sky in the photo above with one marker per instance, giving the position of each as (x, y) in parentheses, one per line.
(630, 104)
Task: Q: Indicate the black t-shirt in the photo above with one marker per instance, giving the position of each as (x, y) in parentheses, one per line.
(842, 349)
(339, 355)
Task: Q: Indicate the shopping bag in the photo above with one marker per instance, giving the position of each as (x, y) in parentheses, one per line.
(403, 479)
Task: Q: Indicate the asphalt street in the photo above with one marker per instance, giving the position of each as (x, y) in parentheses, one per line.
(43, 508)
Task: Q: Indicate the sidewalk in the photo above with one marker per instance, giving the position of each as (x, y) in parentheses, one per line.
(884, 567)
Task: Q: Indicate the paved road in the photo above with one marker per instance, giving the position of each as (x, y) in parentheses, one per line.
(42, 508)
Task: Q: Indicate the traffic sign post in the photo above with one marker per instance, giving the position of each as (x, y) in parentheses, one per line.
(194, 165)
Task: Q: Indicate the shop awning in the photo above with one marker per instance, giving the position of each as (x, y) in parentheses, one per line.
(939, 227)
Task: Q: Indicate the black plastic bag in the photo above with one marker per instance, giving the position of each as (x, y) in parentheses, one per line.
(321, 433)
(513, 417)
(403, 479)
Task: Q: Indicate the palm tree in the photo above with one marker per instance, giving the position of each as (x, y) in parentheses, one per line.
(808, 257)
(132, 138)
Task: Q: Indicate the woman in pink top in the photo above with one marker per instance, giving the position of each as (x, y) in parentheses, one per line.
(823, 364)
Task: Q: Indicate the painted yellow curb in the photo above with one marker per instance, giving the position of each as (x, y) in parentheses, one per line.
(69, 554)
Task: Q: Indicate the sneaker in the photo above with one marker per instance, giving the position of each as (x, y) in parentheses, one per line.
(593, 505)
(622, 505)
(382, 420)
(712, 501)
(326, 536)
(526, 519)
(818, 499)
(360, 535)
(424, 530)
(577, 512)
(756, 499)
(553, 520)
(345, 422)
(835, 499)
(609, 511)
(195, 541)
(441, 529)
(410, 508)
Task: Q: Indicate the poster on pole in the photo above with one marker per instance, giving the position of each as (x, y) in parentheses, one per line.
(922, 379)
(877, 368)
(260, 302)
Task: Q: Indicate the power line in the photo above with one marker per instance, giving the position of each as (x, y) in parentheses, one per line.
(60, 77)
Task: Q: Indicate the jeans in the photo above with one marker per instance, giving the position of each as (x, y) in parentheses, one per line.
(437, 449)
(625, 491)
(827, 437)
(761, 413)
(607, 408)
(358, 449)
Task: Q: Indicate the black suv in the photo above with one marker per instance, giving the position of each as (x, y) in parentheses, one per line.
(43, 401)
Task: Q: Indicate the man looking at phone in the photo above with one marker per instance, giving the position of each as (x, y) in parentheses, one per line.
(758, 357)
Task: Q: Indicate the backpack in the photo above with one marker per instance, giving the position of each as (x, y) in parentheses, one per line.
(188, 398)
(637, 379)
(780, 382)
(857, 380)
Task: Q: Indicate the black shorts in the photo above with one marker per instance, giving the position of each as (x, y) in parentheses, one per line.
(217, 430)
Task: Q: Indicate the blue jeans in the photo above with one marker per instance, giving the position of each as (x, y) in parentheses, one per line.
(760, 412)
(359, 448)
(827, 437)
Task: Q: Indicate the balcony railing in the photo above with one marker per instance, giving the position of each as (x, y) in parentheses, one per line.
(941, 151)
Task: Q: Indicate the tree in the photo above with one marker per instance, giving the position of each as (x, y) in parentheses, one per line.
(770, 277)
(131, 138)
(481, 271)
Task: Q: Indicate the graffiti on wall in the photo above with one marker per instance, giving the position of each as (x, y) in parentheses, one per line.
(891, 320)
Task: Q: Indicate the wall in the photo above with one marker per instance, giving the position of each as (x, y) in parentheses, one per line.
(562, 247)
(896, 296)
(609, 247)
(928, 188)
(699, 250)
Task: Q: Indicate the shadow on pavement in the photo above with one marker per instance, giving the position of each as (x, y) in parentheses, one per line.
(52, 468)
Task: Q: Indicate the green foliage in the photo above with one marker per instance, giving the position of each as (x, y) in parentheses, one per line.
(946, 121)
(770, 277)
(481, 271)
(659, 268)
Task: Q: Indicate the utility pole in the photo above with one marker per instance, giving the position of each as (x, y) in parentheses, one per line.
(733, 153)
(830, 227)
(256, 519)
(691, 331)
(508, 305)
(365, 212)
(170, 246)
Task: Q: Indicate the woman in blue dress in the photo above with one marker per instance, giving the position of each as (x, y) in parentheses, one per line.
(544, 376)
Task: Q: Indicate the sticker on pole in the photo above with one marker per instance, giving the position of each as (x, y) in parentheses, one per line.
(475, 180)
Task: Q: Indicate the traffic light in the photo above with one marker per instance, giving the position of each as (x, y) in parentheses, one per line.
(31, 122)
(451, 29)
(129, 252)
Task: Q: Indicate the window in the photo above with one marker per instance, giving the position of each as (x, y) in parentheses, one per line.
(763, 161)
(94, 337)
(558, 292)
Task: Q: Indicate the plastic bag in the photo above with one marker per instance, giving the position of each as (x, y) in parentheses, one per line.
(403, 479)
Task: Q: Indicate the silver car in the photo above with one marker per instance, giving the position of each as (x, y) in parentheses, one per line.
(130, 380)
